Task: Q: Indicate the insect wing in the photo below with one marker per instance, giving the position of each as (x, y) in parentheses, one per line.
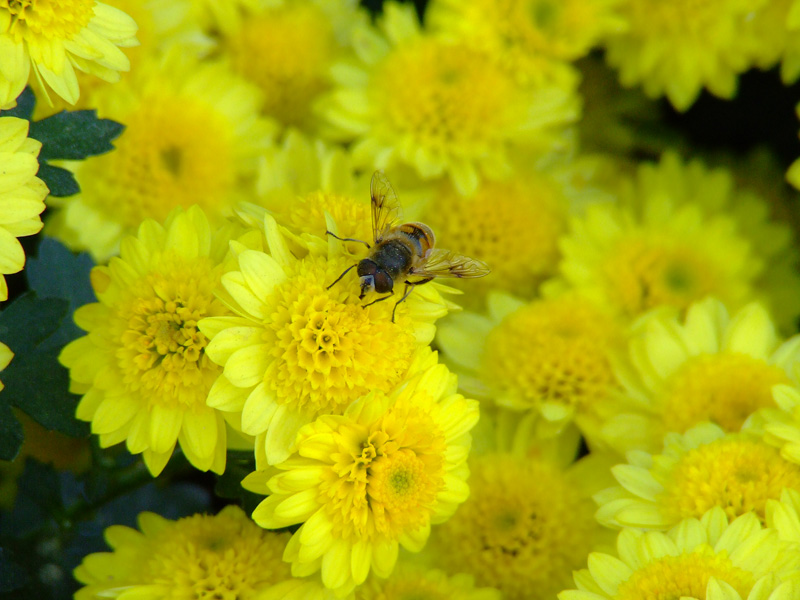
(444, 263)
(386, 210)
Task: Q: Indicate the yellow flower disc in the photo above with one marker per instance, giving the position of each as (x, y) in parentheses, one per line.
(737, 474)
(550, 352)
(523, 530)
(53, 20)
(722, 388)
(202, 556)
(413, 582)
(683, 576)
(286, 51)
(513, 226)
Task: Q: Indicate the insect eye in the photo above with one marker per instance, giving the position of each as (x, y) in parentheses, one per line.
(383, 283)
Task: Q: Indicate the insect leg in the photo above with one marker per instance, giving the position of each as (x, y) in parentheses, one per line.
(382, 298)
(340, 276)
(348, 239)
(409, 288)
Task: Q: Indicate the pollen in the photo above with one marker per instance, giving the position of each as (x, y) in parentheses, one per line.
(48, 20)
(513, 226)
(737, 474)
(684, 576)
(645, 273)
(330, 350)
(524, 527)
(722, 388)
(162, 351)
(164, 159)
(551, 352)
(286, 51)
(427, 91)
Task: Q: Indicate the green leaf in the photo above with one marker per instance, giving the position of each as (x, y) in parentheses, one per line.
(12, 576)
(25, 104)
(35, 381)
(55, 272)
(74, 135)
(11, 433)
(59, 181)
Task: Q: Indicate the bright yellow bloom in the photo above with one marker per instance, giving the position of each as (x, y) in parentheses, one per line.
(784, 516)
(708, 367)
(710, 558)
(677, 48)
(202, 556)
(703, 468)
(656, 248)
(287, 49)
(142, 368)
(721, 192)
(22, 194)
(192, 136)
(409, 581)
(533, 39)
(411, 101)
(513, 226)
(550, 357)
(371, 480)
(52, 39)
(5, 359)
(781, 425)
(300, 347)
(527, 524)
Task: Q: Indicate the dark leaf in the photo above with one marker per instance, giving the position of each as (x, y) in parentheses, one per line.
(25, 104)
(12, 576)
(58, 273)
(74, 135)
(35, 381)
(11, 433)
(59, 181)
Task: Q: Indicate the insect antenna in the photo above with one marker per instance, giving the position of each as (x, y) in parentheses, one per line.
(342, 275)
(348, 239)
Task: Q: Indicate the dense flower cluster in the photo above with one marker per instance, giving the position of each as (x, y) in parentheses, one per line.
(613, 412)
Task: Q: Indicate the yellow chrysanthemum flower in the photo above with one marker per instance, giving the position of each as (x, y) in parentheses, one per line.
(708, 367)
(162, 24)
(527, 524)
(411, 101)
(371, 480)
(52, 39)
(409, 581)
(224, 15)
(142, 368)
(696, 471)
(202, 556)
(655, 250)
(513, 226)
(533, 39)
(709, 558)
(6, 354)
(781, 425)
(784, 516)
(678, 48)
(301, 347)
(550, 357)
(192, 136)
(22, 194)
(717, 192)
(287, 49)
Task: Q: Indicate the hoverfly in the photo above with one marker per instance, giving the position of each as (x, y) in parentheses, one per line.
(401, 251)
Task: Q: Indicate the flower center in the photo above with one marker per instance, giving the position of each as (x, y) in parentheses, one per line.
(721, 388)
(427, 89)
(524, 527)
(739, 475)
(512, 226)
(174, 152)
(162, 350)
(212, 558)
(286, 52)
(550, 351)
(44, 18)
(683, 576)
(330, 350)
(643, 274)
(386, 480)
